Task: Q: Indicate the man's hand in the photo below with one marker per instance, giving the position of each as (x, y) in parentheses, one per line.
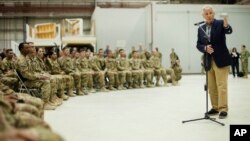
(209, 49)
(225, 18)
(43, 77)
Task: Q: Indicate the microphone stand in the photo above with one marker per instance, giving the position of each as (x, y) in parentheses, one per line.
(206, 65)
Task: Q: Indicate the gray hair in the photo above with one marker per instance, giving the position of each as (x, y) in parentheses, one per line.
(205, 7)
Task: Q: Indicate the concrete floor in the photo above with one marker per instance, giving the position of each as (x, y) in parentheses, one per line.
(150, 114)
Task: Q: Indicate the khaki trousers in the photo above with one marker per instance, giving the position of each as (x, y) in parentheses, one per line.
(217, 87)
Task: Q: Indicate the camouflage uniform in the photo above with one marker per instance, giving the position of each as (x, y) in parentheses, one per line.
(148, 72)
(32, 79)
(158, 70)
(137, 72)
(124, 72)
(34, 101)
(97, 65)
(84, 75)
(173, 57)
(25, 124)
(21, 115)
(38, 66)
(87, 73)
(67, 65)
(25, 98)
(112, 74)
(177, 71)
(10, 81)
(67, 81)
(8, 75)
(244, 62)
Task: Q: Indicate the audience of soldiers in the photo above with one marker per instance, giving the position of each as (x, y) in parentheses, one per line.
(72, 72)
(64, 74)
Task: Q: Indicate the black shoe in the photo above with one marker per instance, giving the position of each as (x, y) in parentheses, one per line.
(222, 115)
(212, 112)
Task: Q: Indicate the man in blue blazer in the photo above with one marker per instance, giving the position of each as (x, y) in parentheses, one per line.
(213, 44)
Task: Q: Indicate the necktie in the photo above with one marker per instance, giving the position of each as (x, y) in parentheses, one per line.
(208, 31)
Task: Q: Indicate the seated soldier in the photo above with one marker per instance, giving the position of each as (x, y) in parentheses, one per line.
(8, 68)
(84, 76)
(85, 68)
(37, 65)
(137, 72)
(55, 69)
(17, 125)
(124, 70)
(159, 71)
(149, 71)
(67, 65)
(18, 113)
(31, 78)
(98, 66)
(112, 74)
(177, 71)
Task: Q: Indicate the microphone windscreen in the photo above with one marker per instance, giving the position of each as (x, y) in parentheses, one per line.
(223, 15)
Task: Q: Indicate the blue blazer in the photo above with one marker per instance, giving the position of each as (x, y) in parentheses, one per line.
(221, 55)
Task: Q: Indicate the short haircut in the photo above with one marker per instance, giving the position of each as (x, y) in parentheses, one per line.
(133, 52)
(21, 46)
(205, 7)
(66, 48)
(121, 50)
(8, 50)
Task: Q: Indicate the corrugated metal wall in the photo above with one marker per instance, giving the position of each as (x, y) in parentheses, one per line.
(12, 29)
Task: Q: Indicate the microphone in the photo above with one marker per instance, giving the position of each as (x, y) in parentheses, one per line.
(199, 23)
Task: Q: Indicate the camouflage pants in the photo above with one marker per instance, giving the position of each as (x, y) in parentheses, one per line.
(86, 76)
(122, 77)
(44, 134)
(28, 99)
(148, 73)
(26, 120)
(77, 79)
(11, 82)
(177, 72)
(44, 85)
(160, 73)
(244, 66)
(99, 78)
(170, 72)
(128, 77)
(60, 83)
(90, 81)
(23, 107)
(113, 78)
(137, 76)
(54, 82)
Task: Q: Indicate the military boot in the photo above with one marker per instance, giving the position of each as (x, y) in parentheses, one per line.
(79, 92)
(123, 88)
(65, 97)
(111, 88)
(142, 85)
(58, 100)
(48, 106)
(157, 83)
(84, 91)
(119, 87)
(70, 93)
(53, 101)
(103, 89)
(130, 85)
(174, 83)
(92, 90)
(59, 97)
